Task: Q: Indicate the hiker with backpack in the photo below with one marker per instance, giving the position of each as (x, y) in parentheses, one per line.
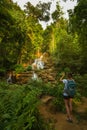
(68, 94)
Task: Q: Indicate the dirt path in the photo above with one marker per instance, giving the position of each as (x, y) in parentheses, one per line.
(58, 120)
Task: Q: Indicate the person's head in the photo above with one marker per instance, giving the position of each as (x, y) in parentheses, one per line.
(69, 75)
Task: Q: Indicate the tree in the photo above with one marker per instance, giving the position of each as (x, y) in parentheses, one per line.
(78, 20)
(57, 14)
(6, 26)
(11, 33)
(39, 12)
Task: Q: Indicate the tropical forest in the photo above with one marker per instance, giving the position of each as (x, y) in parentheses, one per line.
(32, 60)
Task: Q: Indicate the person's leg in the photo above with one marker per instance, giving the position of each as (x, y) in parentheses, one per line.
(70, 106)
(67, 108)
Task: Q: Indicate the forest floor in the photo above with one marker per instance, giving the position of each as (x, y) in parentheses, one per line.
(57, 120)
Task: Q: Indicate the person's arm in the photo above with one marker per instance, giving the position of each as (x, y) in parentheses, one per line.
(61, 78)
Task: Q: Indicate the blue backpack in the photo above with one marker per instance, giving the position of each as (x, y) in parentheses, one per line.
(71, 88)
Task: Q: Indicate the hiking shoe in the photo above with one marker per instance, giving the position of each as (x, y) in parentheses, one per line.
(70, 120)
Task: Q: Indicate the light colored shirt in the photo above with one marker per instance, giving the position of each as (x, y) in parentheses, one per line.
(65, 86)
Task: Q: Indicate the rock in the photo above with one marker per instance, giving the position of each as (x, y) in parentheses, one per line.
(48, 74)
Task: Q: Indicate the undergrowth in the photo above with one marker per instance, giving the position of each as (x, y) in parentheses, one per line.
(19, 103)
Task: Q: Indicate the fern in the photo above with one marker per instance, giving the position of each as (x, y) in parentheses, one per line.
(18, 108)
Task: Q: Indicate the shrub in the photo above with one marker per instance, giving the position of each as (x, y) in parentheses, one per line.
(29, 68)
(58, 100)
(67, 70)
(2, 71)
(81, 81)
(18, 108)
(19, 68)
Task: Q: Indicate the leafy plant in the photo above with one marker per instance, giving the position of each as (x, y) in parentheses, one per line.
(18, 108)
(29, 68)
(19, 68)
(81, 84)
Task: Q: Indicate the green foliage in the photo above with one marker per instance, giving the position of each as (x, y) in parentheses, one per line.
(19, 68)
(78, 20)
(40, 12)
(10, 35)
(57, 13)
(46, 39)
(2, 71)
(81, 84)
(18, 108)
(22, 35)
(19, 104)
(66, 47)
(58, 100)
(66, 69)
(29, 68)
(52, 90)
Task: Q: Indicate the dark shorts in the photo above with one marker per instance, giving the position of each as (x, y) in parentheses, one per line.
(67, 97)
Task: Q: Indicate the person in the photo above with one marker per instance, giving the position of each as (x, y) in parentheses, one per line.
(9, 79)
(67, 99)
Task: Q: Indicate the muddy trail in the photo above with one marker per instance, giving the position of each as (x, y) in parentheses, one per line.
(57, 120)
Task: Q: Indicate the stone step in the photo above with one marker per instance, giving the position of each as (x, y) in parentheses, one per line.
(48, 74)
